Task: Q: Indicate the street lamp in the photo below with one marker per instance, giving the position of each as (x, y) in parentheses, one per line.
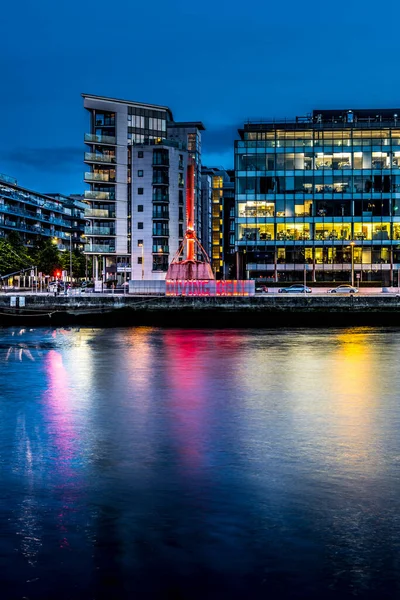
(70, 258)
(352, 244)
(142, 246)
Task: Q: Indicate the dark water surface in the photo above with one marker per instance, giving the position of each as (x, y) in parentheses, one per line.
(151, 463)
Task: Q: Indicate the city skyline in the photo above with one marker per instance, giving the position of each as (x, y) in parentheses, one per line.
(215, 61)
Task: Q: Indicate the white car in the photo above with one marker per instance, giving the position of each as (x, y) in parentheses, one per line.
(344, 289)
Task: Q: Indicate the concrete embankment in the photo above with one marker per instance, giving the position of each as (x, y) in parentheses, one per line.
(258, 311)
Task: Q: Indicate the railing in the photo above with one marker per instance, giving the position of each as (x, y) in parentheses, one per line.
(160, 214)
(98, 177)
(100, 139)
(96, 195)
(101, 248)
(28, 198)
(94, 157)
(164, 198)
(159, 249)
(98, 212)
(99, 231)
(6, 208)
(8, 179)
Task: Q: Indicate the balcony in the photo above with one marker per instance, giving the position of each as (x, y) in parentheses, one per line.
(99, 231)
(96, 195)
(160, 249)
(99, 177)
(25, 198)
(158, 214)
(99, 248)
(99, 158)
(100, 139)
(91, 213)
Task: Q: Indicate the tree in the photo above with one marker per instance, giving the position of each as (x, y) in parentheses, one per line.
(46, 256)
(13, 255)
(78, 263)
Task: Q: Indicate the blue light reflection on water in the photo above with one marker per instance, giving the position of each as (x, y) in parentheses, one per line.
(192, 464)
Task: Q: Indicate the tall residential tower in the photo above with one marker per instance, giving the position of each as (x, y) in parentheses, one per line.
(137, 162)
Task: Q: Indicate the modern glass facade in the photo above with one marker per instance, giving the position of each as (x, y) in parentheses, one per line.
(311, 191)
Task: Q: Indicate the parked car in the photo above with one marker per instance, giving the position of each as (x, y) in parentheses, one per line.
(344, 289)
(295, 289)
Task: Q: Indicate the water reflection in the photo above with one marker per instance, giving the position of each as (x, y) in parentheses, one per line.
(230, 463)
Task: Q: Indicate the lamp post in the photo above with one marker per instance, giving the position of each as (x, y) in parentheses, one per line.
(352, 263)
(142, 246)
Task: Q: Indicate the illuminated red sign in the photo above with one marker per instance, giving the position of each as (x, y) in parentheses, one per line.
(209, 287)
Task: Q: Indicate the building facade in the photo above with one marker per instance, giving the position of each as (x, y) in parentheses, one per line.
(221, 186)
(137, 176)
(318, 194)
(33, 215)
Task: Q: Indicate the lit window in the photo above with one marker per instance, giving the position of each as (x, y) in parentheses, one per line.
(140, 173)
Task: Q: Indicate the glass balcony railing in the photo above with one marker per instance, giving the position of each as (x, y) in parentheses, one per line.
(95, 157)
(98, 212)
(99, 139)
(17, 210)
(99, 248)
(98, 177)
(160, 214)
(99, 231)
(96, 195)
(160, 249)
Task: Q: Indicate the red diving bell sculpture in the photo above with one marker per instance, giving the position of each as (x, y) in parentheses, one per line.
(190, 268)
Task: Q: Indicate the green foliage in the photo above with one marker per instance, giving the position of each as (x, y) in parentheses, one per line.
(45, 255)
(13, 258)
(78, 263)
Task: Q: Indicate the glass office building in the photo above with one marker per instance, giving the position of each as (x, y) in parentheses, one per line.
(318, 192)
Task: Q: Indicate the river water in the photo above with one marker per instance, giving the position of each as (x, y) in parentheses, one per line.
(192, 464)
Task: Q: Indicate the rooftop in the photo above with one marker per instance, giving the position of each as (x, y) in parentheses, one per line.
(129, 102)
(361, 118)
(184, 124)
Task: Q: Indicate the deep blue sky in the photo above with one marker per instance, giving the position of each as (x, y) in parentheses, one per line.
(216, 61)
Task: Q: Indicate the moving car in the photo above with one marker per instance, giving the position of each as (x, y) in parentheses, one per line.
(344, 289)
(295, 289)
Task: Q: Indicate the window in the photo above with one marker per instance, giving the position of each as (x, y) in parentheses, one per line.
(180, 230)
(181, 181)
(139, 260)
(180, 196)
(140, 154)
(140, 208)
(140, 173)
(140, 243)
(140, 191)
(140, 225)
(181, 213)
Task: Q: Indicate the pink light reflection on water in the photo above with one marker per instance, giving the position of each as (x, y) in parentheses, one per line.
(64, 440)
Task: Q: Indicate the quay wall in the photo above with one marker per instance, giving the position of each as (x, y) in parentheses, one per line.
(257, 311)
